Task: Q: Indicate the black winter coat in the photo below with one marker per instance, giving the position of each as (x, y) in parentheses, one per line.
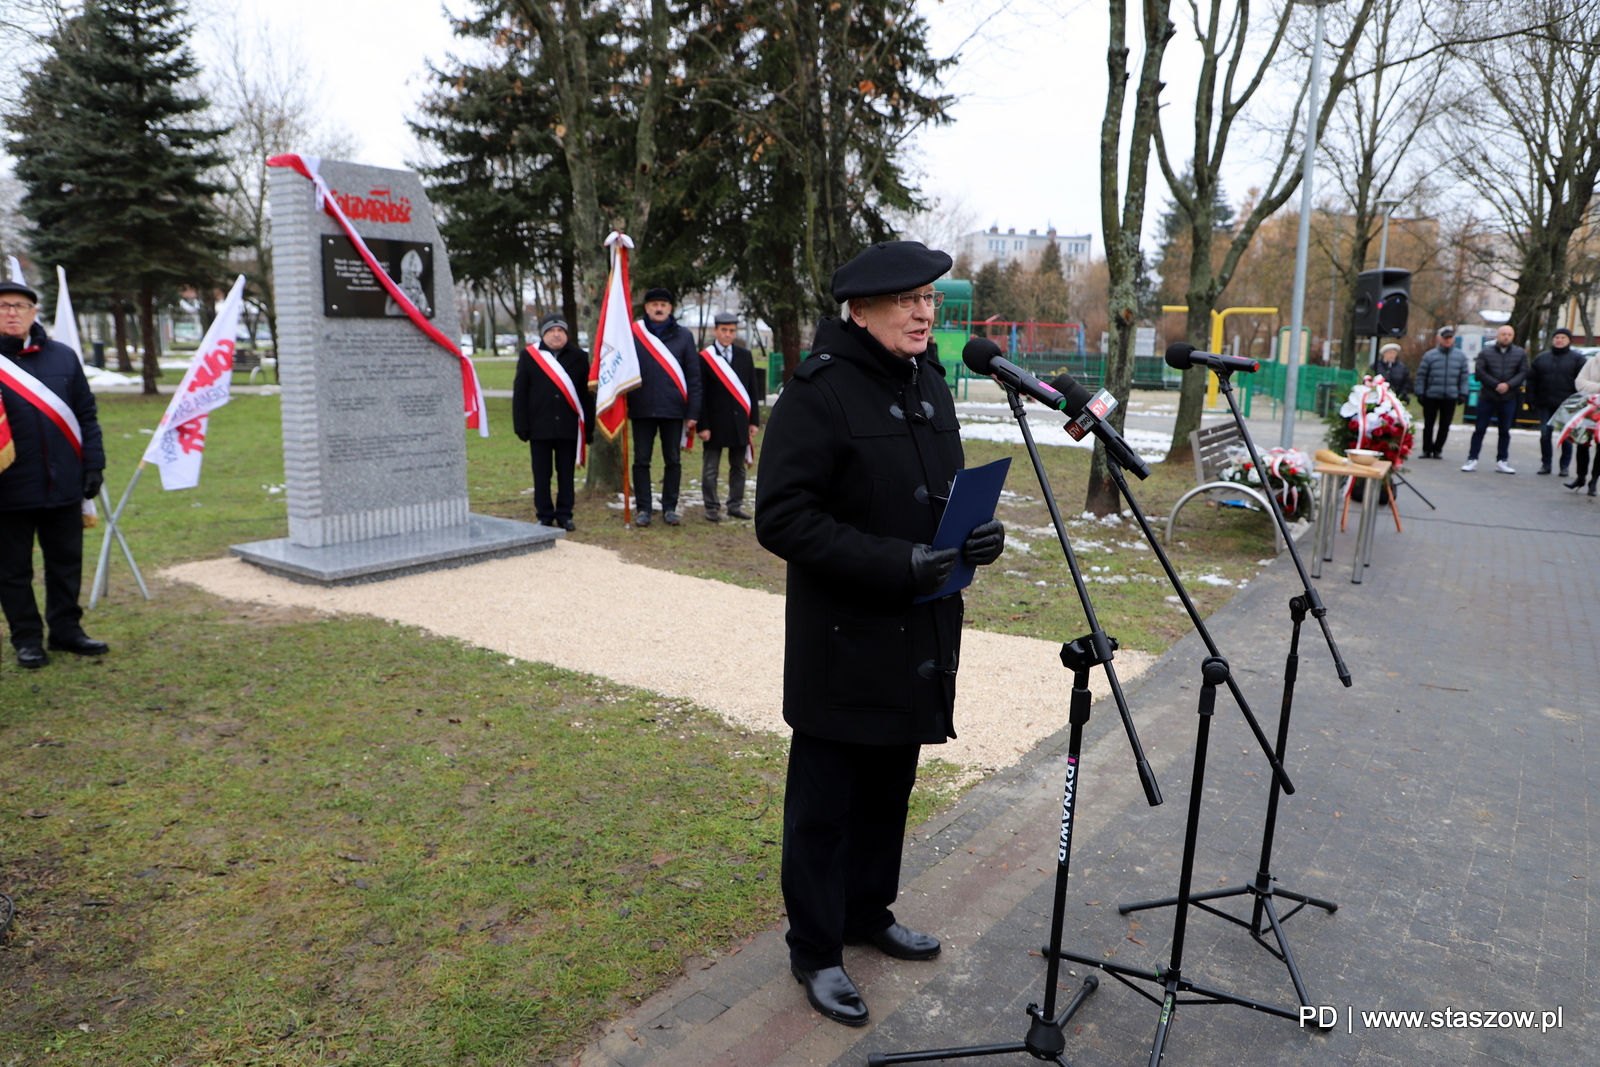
(720, 410)
(657, 396)
(856, 448)
(1442, 375)
(47, 472)
(1397, 374)
(1552, 377)
(1496, 365)
(539, 410)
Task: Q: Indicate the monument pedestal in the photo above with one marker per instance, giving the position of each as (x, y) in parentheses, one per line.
(378, 558)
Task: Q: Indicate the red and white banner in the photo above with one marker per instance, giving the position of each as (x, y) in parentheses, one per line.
(471, 390)
(615, 370)
(725, 373)
(179, 444)
(547, 362)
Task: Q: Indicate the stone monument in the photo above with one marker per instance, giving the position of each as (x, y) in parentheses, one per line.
(374, 438)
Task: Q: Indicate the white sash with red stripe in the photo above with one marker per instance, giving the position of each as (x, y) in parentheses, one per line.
(723, 369)
(44, 398)
(669, 363)
(547, 362)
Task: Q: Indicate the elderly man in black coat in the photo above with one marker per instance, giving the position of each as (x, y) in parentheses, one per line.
(1552, 378)
(729, 415)
(43, 489)
(666, 404)
(861, 448)
(553, 410)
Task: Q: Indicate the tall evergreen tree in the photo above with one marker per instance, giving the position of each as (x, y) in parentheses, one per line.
(109, 140)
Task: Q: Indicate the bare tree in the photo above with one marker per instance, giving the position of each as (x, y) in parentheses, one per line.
(1233, 69)
(1122, 211)
(944, 220)
(1535, 105)
(266, 97)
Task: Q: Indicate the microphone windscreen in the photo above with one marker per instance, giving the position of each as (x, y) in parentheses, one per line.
(1178, 355)
(979, 355)
(1072, 393)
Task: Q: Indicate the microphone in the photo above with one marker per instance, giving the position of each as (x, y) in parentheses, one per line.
(1086, 414)
(982, 356)
(1183, 356)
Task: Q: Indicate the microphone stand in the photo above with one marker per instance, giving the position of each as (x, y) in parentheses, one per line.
(1261, 890)
(1046, 1039)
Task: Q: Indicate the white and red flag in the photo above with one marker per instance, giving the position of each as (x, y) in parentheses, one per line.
(66, 327)
(471, 389)
(615, 370)
(179, 444)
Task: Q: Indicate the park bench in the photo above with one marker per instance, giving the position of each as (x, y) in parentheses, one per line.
(1213, 448)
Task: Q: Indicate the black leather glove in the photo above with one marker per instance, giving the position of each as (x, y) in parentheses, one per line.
(92, 481)
(931, 567)
(522, 437)
(982, 546)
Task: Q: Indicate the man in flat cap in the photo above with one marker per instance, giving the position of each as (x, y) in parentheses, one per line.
(58, 463)
(666, 404)
(861, 448)
(729, 416)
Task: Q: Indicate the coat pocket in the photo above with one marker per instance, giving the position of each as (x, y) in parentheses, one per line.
(868, 663)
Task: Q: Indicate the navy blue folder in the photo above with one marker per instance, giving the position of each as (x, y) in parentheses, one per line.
(973, 497)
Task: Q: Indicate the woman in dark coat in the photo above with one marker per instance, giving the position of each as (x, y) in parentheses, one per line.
(553, 410)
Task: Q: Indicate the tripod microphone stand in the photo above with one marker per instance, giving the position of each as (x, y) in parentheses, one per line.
(1261, 889)
(1046, 1039)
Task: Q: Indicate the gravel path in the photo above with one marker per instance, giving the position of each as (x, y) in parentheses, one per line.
(719, 645)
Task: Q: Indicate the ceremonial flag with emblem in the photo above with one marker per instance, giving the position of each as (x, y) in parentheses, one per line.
(615, 370)
(179, 444)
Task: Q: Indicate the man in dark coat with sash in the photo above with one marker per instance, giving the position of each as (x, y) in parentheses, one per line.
(666, 404)
(58, 463)
(553, 410)
(861, 448)
(729, 416)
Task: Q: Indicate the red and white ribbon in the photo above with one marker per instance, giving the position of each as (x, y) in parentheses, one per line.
(563, 381)
(471, 390)
(44, 398)
(723, 369)
(669, 363)
(1591, 412)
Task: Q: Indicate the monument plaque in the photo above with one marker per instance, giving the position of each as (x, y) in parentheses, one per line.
(374, 438)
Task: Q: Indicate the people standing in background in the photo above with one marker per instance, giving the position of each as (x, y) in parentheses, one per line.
(1587, 385)
(666, 404)
(1441, 384)
(1551, 380)
(553, 410)
(729, 416)
(1396, 373)
(1502, 368)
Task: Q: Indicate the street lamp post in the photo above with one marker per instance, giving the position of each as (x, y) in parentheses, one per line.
(1383, 261)
(1297, 307)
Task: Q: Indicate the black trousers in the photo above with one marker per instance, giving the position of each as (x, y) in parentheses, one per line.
(563, 454)
(1443, 410)
(844, 824)
(1547, 445)
(645, 432)
(60, 535)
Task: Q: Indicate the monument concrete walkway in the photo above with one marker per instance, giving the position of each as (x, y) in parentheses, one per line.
(1446, 802)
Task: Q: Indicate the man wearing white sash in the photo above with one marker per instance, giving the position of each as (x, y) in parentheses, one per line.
(729, 417)
(665, 405)
(553, 411)
(59, 463)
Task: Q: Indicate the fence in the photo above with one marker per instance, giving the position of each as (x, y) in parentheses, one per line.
(1267, 384)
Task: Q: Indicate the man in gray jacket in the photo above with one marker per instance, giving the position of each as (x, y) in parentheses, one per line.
(1502, 368)
(1441, 384)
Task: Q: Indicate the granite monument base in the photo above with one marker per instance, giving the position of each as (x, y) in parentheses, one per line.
(380, 558)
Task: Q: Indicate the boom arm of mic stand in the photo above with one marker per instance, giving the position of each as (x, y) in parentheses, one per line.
(1313, 600)
(1147, 777)
(1199, 623)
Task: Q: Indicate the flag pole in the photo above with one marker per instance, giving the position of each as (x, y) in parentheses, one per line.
(112, 518)
(627, 492)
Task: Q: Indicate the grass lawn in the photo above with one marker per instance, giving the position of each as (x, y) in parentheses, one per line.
(263, 837)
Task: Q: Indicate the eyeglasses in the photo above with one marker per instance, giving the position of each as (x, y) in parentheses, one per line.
(906, 300)
(18, 308)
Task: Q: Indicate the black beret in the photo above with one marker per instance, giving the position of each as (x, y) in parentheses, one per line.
(18, 287)
(725, 318)
(889, 267)
(660, 294)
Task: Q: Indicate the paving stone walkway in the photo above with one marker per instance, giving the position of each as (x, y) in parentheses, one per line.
(1446, 803)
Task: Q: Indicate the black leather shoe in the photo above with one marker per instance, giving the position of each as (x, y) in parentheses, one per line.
(713, 516)
(670, 518)
(1542, 470)
(901, 942)
(1574, 485)
(78, 645)
(739, 513)
(642, 519)
(31, 657)
(569, 526)
(833, 994)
